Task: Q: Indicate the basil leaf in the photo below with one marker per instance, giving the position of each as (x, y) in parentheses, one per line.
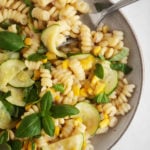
(3, 137)
(123, 53)
(30, 126)
(59, 87)
(63, 110)
(36, 57)
(41, 50)
(47, 65)
(121, 67)
(101, 98)
(48, 125)
(31, 94)
(5, 146)
(10, 41)
(28, 2)
(4, 95)
(99, 71)
(46, 103)
(16, 145)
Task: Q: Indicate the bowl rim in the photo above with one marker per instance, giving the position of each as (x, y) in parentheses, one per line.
(142, 76)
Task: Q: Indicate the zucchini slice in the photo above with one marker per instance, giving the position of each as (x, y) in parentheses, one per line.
(16, 97)
(80, 56)
(74, 142)
(8, 71)
(90, 116)
(5, 118)
(22, 79)
(49, 36)
(110, 77)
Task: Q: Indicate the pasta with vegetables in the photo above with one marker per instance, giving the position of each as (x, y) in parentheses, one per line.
(55, 96)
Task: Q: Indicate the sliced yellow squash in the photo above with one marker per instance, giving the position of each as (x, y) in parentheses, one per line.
(49, 37)
(71, 143)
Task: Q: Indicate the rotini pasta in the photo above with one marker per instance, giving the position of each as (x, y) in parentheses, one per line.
(13, 15)
(65, 96)
(86, 39)
(46, 80)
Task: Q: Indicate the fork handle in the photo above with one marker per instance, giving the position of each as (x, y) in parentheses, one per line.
(114, 7)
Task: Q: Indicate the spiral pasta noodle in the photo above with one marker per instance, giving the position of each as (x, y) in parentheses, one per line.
(59, 87)
(19, 6)
(45, 78)
(86, 39)
(63, 76)
(77, 69)
(31, 65)
(13, 15)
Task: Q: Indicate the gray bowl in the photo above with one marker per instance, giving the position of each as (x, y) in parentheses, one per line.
(117, 21)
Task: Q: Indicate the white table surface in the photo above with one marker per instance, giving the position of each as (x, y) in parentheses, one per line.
(137, 137)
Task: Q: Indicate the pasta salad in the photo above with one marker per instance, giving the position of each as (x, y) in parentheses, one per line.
(55, 96)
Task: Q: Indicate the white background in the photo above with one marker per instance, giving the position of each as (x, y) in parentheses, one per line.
(137, 137)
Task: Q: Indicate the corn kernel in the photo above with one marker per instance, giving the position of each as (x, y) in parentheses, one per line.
(57, 98)
(105, 29)
(78, 121)
(87, 63)
(51, 56)
(95, 79)
(28, 41)
(90, 91)
(36, 75)
(97, 50)
(44, 61)
(65, 64)
(83, 92)
(104, 123)
(57, 130)
(106, 116)
(99, 88)
(51, 90)
(76, 90)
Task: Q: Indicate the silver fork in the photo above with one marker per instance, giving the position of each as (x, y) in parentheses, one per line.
(93, 19)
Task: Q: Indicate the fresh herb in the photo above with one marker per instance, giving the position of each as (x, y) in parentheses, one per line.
(3, 137)
(101, 98)
(123, 53)
(48, 125)
(46, 103)
(41, 50)
(16, 145)
(63, 110)
(99, 71)
(28, 2)
(47, 65)
(30, 126)
(36, 57)
(10, 41)
(31, 94)
(59, 87)
(121, 67)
